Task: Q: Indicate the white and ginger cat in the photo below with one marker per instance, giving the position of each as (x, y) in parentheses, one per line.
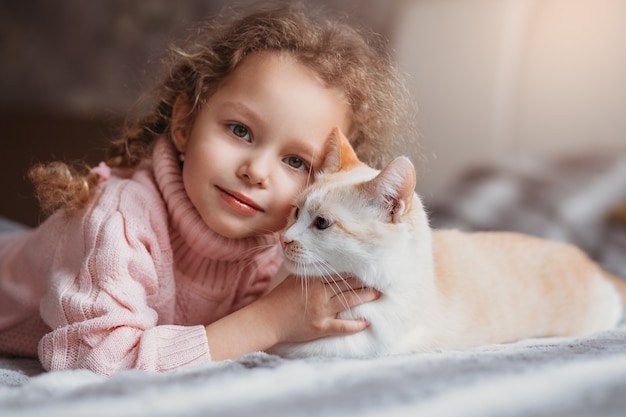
(441, 289)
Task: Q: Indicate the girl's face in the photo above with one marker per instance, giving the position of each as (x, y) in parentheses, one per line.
(253, 144)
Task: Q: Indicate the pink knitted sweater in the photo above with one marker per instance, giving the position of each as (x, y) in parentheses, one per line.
(129, 282)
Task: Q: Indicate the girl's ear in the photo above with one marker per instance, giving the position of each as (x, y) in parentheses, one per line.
(181, 123)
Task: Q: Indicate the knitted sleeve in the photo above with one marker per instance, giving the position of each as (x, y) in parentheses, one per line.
(111, 286)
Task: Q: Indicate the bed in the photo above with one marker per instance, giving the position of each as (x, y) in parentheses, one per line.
(576, 199)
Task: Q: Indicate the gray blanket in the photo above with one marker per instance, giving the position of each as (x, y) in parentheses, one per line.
(551, 377)
(541, 377)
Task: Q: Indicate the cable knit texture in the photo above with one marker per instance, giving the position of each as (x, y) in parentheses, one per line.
(129, 282)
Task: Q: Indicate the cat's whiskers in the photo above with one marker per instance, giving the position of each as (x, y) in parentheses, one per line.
(308, 178)
(257, 250)
(304, 282)
(249, 255)
(305, 291)
(328, 277)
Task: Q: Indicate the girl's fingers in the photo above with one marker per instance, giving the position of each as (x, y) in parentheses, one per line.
(341, 284)
(356, 297)
(353, 298)
(342, 326)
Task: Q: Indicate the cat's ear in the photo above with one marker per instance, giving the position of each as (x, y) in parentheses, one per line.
(339, 153)
(393, 188)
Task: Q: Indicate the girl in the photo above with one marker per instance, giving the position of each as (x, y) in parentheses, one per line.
(164, 256)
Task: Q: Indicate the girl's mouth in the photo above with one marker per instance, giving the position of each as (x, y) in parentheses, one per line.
(239, 202)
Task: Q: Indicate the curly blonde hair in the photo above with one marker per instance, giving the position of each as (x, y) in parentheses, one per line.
(342, 56)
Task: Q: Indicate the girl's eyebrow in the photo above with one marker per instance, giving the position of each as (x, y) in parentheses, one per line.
(306, 151)
(243, 109)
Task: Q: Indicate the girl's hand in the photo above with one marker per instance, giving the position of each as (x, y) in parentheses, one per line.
(297, 310)
(308, 309)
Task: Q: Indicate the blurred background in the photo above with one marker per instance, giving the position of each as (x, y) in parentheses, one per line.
(496, 81)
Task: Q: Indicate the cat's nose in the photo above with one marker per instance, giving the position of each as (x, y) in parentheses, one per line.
(284, 242)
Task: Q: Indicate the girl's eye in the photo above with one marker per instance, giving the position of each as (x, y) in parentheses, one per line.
(296, 163)
(240, 131)
(321, 223)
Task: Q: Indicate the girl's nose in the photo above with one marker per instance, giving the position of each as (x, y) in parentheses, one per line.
(256, 172)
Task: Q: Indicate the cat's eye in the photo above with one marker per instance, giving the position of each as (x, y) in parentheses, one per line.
(296, 213)
(322, 223)
(240, 131)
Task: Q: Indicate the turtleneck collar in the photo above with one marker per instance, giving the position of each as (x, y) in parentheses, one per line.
(185, 219)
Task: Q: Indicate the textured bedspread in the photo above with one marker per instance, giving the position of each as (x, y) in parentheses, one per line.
(541, 377)
(551, 377)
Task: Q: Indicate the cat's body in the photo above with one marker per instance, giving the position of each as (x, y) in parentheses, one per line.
(440, 289)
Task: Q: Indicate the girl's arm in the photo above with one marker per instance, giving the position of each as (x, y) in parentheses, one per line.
(109, 292)
(288, 314)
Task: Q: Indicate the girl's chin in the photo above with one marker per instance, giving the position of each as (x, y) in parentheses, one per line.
(231, 231)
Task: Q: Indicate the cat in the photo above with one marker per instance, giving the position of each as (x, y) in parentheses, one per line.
(440, 289)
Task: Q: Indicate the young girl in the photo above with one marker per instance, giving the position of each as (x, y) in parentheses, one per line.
(164, 256)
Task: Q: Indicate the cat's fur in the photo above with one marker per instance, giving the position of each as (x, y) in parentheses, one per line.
(440, 289)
